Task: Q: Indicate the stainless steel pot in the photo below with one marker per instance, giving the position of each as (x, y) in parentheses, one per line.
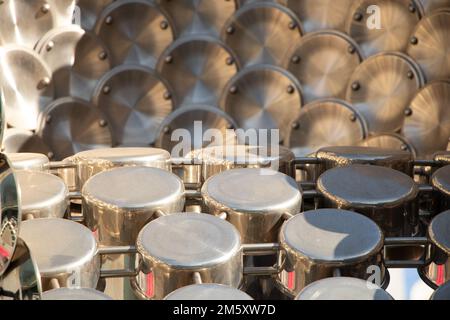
(74, 294)
(29, 161)
(208, 291)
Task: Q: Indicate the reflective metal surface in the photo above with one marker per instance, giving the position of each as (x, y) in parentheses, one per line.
(323, 62)
(29, 161)
(427, 125)
(382, 194)
(262, 32)
(440, 181)
(77, 59)
(91, 11)
(135, 31)
(74, 294)
(20, 140)
(135, 100)
(397, 21)
(183, 121)
(388, 141)
(318, 242)
(10, 213)
(174, 248)
(381, 89)
(197, 69)
(43, 195)
(263, 97)
(321, 14)
(26, 84)
(428, 6)
(63, 11)
(208, 292)
(65, 252)
(254, 209)
(71, 125)
(198, 17)
(429, 47)
(24, 22)
(343, 288)
(325, 123)
(442, 293)
(22, 279)
(333, 157)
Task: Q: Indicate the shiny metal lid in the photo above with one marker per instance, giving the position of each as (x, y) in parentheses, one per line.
(124, 156)
(428, 45)
(29, 161)
(367, 186)
(91, 11)
(248, 191)
(326, 123)
(427, 123)
(428, 6)
(42, 194)
(441, 180)
(438, 231)
(442, 293)
(197, 68)
(323, 62)
(78, 59)
(136, 188)
(321, 14)
(263, 97)
(135, 101)
(381, 89)
(26, 85)
(184, 121)
(343, 288)
(74, 294)
(397, 24)
(364, 155)
(198, 17)
(189, 241)
(20, 140)
(262, 33)
(64, 11)
(135, 31)
(58, 245)
(24, 22)
(332, 236)
(208, 291)
(227, 155)
(71, 125)
(391, 141)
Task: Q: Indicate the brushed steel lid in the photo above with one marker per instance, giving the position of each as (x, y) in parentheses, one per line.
(429, 47)
(136, 188)
(124, 156)
(381, 89)
(363, 155)
(262, 33)
(343, 288)
(74, 294)
(135, 101)
(332, 236)
(263, 97)
(391, 141)
(363, 186)
(441, 180)
(26, 85)
(42, 194)
(91, 11)
(135, 31)
(29, 161)
(24, 22)
(326, 123)
(428, 6)
(324, 62)
(397, 24)
(254, 191)
(321, 14)
(208, 291)
(438, 231)
(427, 123)
(71, 125)
(198, 17)
(189, 241)
(197, 68)
(58, 245)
